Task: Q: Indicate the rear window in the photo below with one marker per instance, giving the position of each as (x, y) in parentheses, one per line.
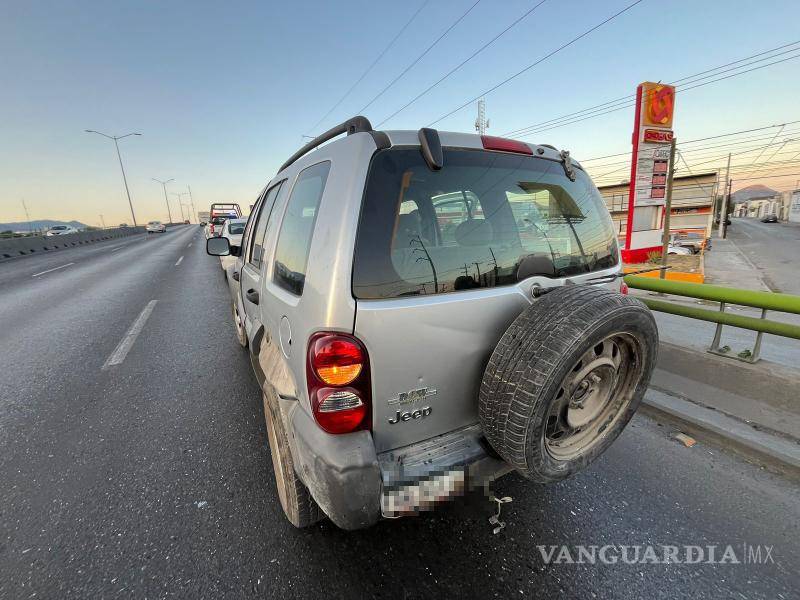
(294, 239)
(219, 220)
(486, 219)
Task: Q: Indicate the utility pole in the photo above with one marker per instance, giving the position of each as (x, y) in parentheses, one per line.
(668, 208)
(116, 139)
(164, 185)
(180, 195)
(726, 202)
(27, 217)
(723, 211)
(481, 124)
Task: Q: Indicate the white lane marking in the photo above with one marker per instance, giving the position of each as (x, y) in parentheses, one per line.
(51, 270)
(190, 245)
(747, 234)
(125, 344)
(179, 261)
(115, 249)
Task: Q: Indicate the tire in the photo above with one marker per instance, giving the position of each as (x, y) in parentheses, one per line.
(241, 335)
(566, 378)
(296, 501)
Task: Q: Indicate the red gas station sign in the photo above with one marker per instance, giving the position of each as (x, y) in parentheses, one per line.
(652, 135)
(658, 136)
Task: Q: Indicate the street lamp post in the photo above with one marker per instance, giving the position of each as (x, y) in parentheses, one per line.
(164, 185)
(194, 211)
(116, 139)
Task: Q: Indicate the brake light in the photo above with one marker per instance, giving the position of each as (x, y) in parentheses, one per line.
(491, 142)
(623, 288)
(338, 382)
(337, 361)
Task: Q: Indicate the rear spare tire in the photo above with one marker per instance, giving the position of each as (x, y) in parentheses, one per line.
(565, 379)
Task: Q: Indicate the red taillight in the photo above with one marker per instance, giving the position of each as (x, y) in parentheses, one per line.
(337, 361)
(491, 142)
(623, 288)
(338, 382)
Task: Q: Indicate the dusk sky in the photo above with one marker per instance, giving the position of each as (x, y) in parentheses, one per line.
(222, 92)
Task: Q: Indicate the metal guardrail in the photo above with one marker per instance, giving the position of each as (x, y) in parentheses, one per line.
(764, 300)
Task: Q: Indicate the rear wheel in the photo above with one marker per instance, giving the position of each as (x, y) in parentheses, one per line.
(296, 501)
(566, 378)
(241, 336)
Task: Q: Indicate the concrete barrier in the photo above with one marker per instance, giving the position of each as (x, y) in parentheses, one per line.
(11, 248)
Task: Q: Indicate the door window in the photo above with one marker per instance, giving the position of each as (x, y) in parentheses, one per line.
(294, 238)
(257, 248)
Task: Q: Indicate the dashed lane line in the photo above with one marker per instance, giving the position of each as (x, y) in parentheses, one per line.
(127, 341)
(179, 261)
(51, 270)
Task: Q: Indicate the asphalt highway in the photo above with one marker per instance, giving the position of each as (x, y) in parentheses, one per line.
(134, 463)
(773, 249)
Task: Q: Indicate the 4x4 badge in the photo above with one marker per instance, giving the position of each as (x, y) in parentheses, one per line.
(412, 396)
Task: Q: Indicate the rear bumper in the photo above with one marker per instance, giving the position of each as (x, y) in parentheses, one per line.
(419, 477)
(356, 487)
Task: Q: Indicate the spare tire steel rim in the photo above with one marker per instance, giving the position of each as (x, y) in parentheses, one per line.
(594, 394)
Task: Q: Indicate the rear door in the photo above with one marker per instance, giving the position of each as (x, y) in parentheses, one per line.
(445, 261)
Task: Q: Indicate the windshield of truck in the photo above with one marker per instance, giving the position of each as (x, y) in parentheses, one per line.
(486, 219)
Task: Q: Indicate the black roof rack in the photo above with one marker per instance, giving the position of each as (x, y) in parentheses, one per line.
(354, 125)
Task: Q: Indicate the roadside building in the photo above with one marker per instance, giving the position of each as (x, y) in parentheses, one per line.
(692, 204)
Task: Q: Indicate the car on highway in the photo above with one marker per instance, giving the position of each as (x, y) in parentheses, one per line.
(770, 219)
(232, 230)
(61, 230)
(156, 227)
(414, 337)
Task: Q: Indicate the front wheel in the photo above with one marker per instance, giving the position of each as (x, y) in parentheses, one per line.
(566, 378)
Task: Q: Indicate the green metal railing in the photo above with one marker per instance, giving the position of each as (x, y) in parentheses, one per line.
(764, 300)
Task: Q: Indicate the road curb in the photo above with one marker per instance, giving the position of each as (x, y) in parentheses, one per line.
(767, 446)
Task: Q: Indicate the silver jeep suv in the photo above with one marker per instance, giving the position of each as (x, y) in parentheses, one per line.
(427, 311)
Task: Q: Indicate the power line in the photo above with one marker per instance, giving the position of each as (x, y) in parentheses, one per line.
(679, 90)
(702, 139)
(703, 149)
(416, 60)
(370, 67)
(537, 62)
(462, 63)
(523, 130)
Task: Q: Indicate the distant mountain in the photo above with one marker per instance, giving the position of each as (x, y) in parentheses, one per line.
(752, 192)
(39, 224)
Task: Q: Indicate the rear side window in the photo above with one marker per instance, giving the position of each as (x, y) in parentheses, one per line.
(236, 228)
(486, 219)
(294, 238)
(257, 249)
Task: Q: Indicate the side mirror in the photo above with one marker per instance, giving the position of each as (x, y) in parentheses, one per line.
(218, 246)
(236, 250)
